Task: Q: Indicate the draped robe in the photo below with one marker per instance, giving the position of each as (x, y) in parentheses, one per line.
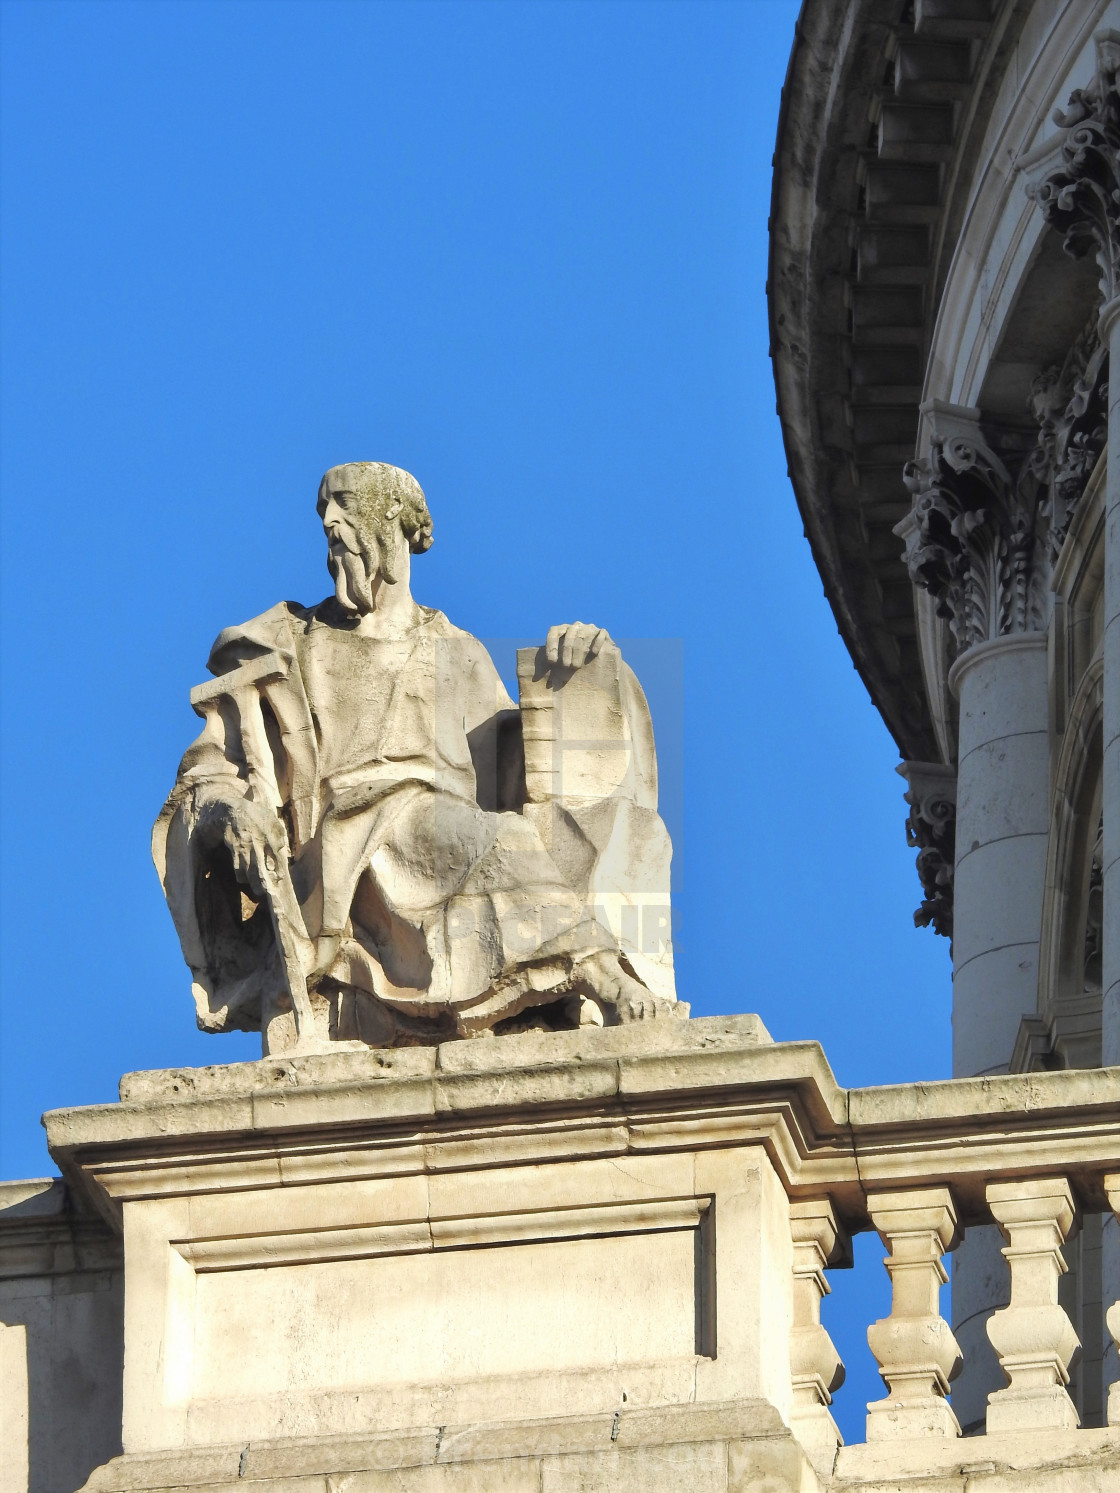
(431, 908)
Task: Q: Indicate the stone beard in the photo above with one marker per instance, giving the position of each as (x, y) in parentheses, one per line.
(351, 851)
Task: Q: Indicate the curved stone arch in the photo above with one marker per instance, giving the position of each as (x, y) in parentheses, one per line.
(1003, 230)
(989, 302)
(1074, 818)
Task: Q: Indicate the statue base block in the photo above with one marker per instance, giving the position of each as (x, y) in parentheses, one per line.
(546, 1260)
(697, 1449)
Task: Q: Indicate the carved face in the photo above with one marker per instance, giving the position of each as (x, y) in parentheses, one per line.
(360, 543)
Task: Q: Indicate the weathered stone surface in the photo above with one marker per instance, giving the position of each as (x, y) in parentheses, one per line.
(632, 1223)
(685, 1447)
(340, 1065)
(369, 843)
(734, 1449)
(1020, 1462)
(61, 1284)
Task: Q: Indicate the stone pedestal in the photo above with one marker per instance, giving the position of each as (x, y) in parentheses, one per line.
(484, 1255)
(565, 1262)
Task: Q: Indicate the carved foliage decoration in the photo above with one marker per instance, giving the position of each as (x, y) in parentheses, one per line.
(972, 540)
(1071, 406)
(1081, 197)
(931, 829)
(980, 542)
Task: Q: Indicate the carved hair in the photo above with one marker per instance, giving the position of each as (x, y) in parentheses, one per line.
(380, 488)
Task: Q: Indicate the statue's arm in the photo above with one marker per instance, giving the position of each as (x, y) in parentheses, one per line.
(227, 785)
(215, 762)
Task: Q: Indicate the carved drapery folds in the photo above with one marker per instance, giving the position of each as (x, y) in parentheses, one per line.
(972, 536)
(931, 792)
(1081, 196)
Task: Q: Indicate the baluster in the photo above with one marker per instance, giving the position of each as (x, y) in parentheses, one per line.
(915, 1347)
(818, 1240)
(1112, 1316)
(1033, 1336)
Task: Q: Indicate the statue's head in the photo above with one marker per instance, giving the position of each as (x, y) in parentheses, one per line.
(373, 515)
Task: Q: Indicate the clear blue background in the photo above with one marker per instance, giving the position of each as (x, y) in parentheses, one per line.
(519, 249)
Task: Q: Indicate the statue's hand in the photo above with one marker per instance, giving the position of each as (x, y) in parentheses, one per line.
(573, 643)
(253, 835)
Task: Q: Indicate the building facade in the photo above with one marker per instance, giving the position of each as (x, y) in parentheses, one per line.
(943, 294)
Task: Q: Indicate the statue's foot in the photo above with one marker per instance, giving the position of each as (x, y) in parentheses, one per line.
(619, 995)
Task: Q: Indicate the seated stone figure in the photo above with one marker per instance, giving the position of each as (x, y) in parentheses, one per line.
(354, 849)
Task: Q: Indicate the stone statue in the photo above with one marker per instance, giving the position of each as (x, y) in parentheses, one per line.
(369, 842)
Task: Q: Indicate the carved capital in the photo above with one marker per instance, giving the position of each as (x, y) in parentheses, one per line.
(971, 537)
(931, 829)
(1071, 406)
(1081, 196)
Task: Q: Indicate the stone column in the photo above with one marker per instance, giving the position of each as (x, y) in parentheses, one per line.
(1002, 826)
(1003, 769)
(1110, 796)
(1110, 950)
(972, 542)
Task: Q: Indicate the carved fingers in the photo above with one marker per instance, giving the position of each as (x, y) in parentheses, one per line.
(573, 643)
(253, 835)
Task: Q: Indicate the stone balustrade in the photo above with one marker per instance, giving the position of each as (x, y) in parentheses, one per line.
(914, 1346)
(596, 1258)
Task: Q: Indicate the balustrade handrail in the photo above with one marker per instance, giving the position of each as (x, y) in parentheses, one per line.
(1028, 1152)
(919, 1163)
(964, 1134)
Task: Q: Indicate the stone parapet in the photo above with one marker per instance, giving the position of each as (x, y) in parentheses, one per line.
(570, 1260)
(740, 1448)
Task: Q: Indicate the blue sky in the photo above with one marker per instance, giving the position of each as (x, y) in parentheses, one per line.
(519, 249)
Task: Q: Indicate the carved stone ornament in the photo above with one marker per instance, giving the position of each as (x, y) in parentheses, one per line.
(354, 850)
(1081, 197)
(1071, 406)
(972, 537)
(931, 828)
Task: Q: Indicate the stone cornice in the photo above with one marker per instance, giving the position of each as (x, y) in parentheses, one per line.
(862, 224)
(539, 1098)
(972, 537)
(42, 1233)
